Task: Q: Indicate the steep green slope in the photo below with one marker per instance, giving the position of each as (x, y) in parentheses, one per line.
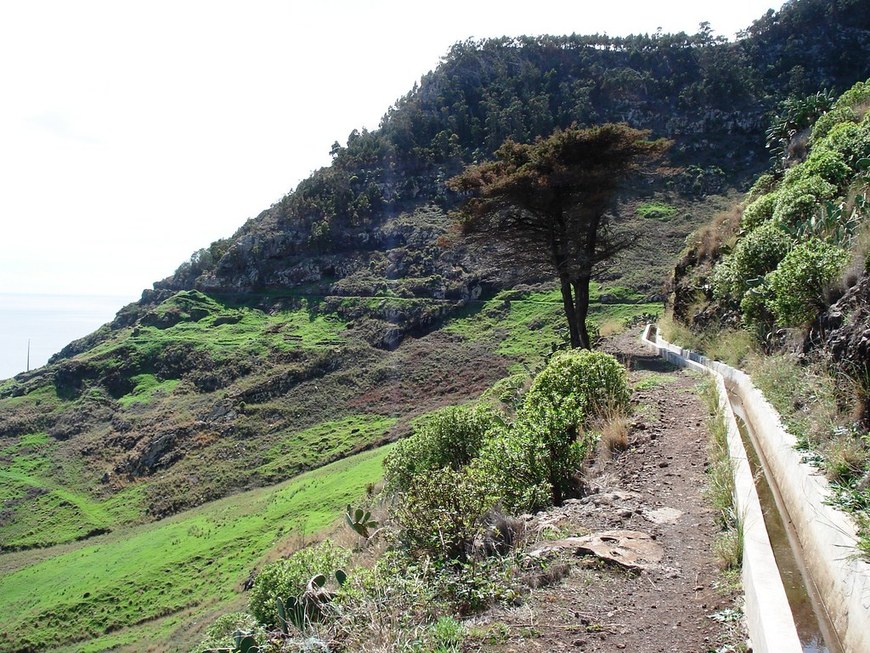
(138, 584)
(202, 397)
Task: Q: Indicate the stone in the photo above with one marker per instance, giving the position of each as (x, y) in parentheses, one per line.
(633, 550)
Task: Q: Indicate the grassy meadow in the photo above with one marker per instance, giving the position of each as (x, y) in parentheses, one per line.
(139, 584)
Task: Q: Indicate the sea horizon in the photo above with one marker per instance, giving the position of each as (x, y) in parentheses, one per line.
(49, 321)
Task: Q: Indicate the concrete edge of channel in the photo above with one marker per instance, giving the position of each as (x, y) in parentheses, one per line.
(828, 537)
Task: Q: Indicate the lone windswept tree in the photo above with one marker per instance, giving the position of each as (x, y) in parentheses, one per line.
(547, 204)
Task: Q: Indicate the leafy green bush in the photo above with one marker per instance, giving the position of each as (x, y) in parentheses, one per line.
(535, 462)
(220, 633)
(798, 201)
(290, 577)
(755, 312)
(450, 437)
(476, 585)
(848, 140)
(723, 281)
(514, 466)
(799, 284)
(848, 108)
(826, 164)
(759, 211)
(577, 385)
(442, 514)
(509, 391)
(756, 254)
(762, 186)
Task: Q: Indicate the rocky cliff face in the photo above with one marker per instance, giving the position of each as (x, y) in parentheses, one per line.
(842, 333)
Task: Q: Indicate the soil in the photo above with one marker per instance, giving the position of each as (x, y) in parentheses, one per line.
(656, 486)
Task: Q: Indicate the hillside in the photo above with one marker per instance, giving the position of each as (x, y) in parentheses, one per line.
(780, 286)
(327, 325)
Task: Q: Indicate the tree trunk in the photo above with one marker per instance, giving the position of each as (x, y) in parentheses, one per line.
(581, 310)
(570, 312)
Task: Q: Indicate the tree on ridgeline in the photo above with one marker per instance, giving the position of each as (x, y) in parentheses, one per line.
(547, 204)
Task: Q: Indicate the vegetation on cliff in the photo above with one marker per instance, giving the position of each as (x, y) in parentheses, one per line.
(791, 273)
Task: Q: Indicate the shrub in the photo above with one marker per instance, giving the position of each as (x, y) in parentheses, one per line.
(848, 108)
(798, 201)
(799, 284)
(450, 437)
(475, 585)
(379, 608)
(509, 391)
(762, 186)
(827, 122)
(443, 513)
(758, 253)
(514, 466)
(755, 312)
(576, 385)
(723, 281)
(290, 577)
(220, 633)
(759, 211)
(826, 164)
(535, 463)
(849, 141)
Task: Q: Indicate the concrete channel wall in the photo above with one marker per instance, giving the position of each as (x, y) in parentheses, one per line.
(827, 536)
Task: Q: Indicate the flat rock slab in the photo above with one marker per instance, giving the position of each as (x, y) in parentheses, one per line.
(633, 550)
(663, 515)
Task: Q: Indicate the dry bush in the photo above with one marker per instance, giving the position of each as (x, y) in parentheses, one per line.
(613, 427)
(845, 459)
(707, 241)
(610, 328)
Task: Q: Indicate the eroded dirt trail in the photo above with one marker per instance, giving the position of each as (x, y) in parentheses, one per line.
(656, 487)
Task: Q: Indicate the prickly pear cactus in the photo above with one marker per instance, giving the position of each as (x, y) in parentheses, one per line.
(360, 521)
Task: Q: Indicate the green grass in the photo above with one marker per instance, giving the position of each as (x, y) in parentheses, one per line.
(719, 488)
(525, 326)
(147, 386)
(323, 441)
(40, 510)
(113, 589)
(649, 380)
(222, 331)
(656, 211)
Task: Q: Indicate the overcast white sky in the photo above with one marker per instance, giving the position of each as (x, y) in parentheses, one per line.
(133, 133)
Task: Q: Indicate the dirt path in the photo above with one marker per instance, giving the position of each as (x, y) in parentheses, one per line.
(656, 486)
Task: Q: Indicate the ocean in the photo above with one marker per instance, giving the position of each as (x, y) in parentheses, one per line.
(50, 322)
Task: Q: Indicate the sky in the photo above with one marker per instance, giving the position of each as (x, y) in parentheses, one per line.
(134, 133)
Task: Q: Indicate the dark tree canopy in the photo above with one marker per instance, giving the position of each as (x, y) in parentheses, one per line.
(546, 203)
